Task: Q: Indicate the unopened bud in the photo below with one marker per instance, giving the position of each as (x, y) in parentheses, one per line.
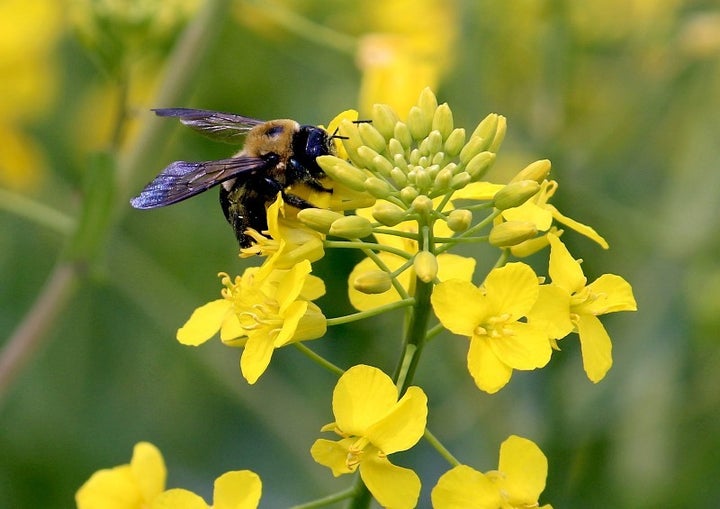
(473, 148)
(460, 180)
(432, 144)
(459, 220)
(487, 128)
(515, 194)
(499, 134)
(371, 137)
(408, 194)
(426, 266)
(381, 165)
(443, 120)
(402, 134)
(379, 188)
(351, 227)
(478, 166)
(511, 233)
(373, 282)
(384, 119)
(343, 172)
(537, 171)
(419, 122)
(455, 142)
(398, 177)
(427, 102)
(388, 214)
(319, 220)
(422, 204)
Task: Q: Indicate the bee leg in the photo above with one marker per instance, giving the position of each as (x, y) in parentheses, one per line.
(298, 172)
(296, 201)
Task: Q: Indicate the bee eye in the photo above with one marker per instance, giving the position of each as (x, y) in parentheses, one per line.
(274, 131)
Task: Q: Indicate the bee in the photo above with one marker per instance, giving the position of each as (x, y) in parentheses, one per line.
(276, 154)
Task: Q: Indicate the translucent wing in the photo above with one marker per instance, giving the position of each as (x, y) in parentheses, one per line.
(217, 125)
(184, 179)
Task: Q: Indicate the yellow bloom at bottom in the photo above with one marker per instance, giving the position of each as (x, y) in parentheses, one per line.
(141, 484)
(516, 484)
(374, 423)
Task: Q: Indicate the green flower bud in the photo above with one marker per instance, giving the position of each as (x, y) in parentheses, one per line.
(439, 158)
(351, 227)
(499, 134)
(343, 172)
(443, 178)
(443, 120)
(408, 194)
(384, 119)
(530, 246)
(367, 154)
(400, 162)
(422, 204)
(537, 171)
(479, 165)
(402, 134)
(426, 266)
(351, 139)
(382, 166)
(423, 179)
(473, 148)
(487, 128)
(419, 122)
(459, 220)
(427, 102)
(432, 144)
(460, 180)
(373, 282)
(398, 177)
(372, 137)
(515, 194)
(388, 213)
(455, 142)
(511, 233)
(318, 219)
(414, 156)
(378, 187)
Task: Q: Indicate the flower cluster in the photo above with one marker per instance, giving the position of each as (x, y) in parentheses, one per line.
(417, 190)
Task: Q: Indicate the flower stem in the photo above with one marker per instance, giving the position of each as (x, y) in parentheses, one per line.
(370, 312)
(319, 359)
(330, 499)
(439, 447)
(414, 336)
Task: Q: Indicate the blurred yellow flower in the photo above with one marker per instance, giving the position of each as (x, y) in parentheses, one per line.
(373, 423)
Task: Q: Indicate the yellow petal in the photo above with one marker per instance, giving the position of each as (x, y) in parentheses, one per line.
(291, 318)
(240, 489)
(564, 270)
(109, 489)
(578, 227)
(610, 293)
(332, 454)
(204, 322)
(291, 284)
(551, 312)
(256, 356)
(523, 471)
(403, 426)
(465, 488)
(529, 211)
(523, 348)
(391, 485)
(363, 301)
(489, 372)
(511, 289)
(459, 305)
(148, 468)
(452, 266)
(477, 191)
(178, 499)
(596, 347)
(362, 396)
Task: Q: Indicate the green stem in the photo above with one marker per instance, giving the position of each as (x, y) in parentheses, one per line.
(319, 359)
(439, 447)
(370, 312)
(414, 336)
(36, 212)
(342, 244)
(330, 499)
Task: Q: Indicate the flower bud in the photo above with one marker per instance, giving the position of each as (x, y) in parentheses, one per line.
(427, 102)
(510, 233)
(432, 144)
(400, 162)
(343, 172)
(459, 220)
(381, 165)
(426, 266)
(388, 213)
(395, 148)
(318, 219)
(537, 171)
(479, 165)
(351, 227)
(351, 138)
(408, 194)
(373, 282)
(384, 119)
(455, 142)
(530, 246)
(371, 137)
(472, 148)
(487, 128)
(443, 120)
(419, 122)
(443, 178)
(423, 179)
(422, 204)
(515, 194)
(379, 188)
(460, 180)
(499, 134)
(398, 177)
(402, 134)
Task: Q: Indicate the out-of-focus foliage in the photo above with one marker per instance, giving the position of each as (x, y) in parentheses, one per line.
(623, 97)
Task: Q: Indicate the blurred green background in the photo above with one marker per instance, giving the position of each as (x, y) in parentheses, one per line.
(623, 97)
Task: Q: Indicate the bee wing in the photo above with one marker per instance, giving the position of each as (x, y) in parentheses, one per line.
(227, 127)
(183, 179)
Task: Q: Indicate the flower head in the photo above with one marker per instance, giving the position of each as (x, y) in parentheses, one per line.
(490, 315)
(516, 484)
(260, 312)
(372, 424)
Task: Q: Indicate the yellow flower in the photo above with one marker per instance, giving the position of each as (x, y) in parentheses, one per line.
(373, 423)
(607, 294)
(240, 489)
(516, 484)
(537, 210)
(490, 316)
(131, 486)
(260, 314)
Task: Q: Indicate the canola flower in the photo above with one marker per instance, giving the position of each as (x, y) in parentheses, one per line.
(418, 190)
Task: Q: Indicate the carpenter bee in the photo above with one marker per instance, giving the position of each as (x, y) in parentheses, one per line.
(276, 155)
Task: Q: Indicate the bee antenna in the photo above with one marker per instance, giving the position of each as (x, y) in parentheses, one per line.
(335, 135)
(367, 121)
